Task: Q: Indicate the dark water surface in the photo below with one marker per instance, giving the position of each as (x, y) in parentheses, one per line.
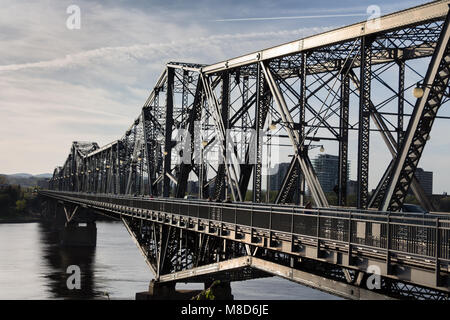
(33, 266)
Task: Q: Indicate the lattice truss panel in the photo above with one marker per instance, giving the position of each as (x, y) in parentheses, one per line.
(222, 132)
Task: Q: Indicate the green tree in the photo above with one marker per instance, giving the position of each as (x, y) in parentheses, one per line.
(3, 179)
(5, 200)
(21, 205)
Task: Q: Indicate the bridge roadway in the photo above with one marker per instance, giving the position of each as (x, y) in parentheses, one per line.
(335, 250)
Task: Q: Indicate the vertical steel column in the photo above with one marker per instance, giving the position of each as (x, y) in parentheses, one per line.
(225, 103)
(401, 100)
(185, 96)
(364, 124)
(303, 102)
(192, 144)
(343, 139)
(168, 131)
(149, 145)
(116, 169)
(415, 138)
(257, 171)
(73, 171)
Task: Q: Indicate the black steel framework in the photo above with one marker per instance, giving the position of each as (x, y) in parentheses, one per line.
(197, 241)
(215, 124)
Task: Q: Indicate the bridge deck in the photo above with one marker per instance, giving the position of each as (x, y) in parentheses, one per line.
(410, 248)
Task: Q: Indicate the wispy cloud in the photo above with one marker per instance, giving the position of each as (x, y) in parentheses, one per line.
(293, 17)
(141, 51)
(59, 85)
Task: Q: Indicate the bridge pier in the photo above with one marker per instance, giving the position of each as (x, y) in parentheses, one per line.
(79, 234)
(216, 290)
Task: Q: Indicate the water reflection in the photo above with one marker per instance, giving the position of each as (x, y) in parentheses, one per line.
(59, 259)
(33, 266)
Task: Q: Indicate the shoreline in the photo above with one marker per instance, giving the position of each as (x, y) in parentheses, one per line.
(18, 220)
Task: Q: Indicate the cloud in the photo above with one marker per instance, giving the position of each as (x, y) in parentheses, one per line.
(147, 51)
(59, 85)
(63, 86)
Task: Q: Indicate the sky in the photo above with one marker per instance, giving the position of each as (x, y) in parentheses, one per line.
(59, 85)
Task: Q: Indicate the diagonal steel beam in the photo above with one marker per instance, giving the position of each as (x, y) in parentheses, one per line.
(392, 146)
(152, 267)
(168, 131)
(194, 115)
(420, 123)
(303, 159)
(230, 171)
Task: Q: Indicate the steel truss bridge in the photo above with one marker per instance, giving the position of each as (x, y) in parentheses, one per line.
(215, 125)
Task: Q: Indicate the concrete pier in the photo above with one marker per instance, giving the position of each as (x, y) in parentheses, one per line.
(79, 234)
(166, 291)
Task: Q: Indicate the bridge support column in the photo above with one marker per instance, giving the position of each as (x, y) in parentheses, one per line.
(79, 234)
(221, 290)
(217, 290)
(165, 291)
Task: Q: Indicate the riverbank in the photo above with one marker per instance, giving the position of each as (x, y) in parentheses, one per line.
(19, 220)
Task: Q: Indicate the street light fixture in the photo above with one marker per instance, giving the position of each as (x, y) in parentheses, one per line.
(418, 91)
(272, 126)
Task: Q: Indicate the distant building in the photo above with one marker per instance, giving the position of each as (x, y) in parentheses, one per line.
(276, 179)
(326, 167)
(192, 187)
(425, 178)
(327, 170)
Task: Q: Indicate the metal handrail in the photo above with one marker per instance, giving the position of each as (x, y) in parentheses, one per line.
(409, 234)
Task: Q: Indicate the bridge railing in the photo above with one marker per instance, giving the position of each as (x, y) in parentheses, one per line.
(415, 234)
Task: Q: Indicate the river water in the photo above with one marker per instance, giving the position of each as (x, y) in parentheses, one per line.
(33, 266)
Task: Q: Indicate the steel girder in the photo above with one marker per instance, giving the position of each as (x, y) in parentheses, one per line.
(193, 241)
(168, 132)
(343, 140)
(299, 77)
(191, 141)
(405, 21)
(300, 155)
(238, 95)
(170, 249)
(220, 115)
(263, 102)
(364, 124)
(419, 127)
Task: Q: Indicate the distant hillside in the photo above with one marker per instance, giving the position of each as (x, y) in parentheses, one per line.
(44, 175)
(28, 180)
(20, 175)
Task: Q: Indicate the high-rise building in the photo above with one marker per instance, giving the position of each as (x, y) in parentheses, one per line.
(425, 178)
(276, 179)
(327, 171)
(325, 165)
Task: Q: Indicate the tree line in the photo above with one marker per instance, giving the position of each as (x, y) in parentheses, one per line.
(16, 201)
